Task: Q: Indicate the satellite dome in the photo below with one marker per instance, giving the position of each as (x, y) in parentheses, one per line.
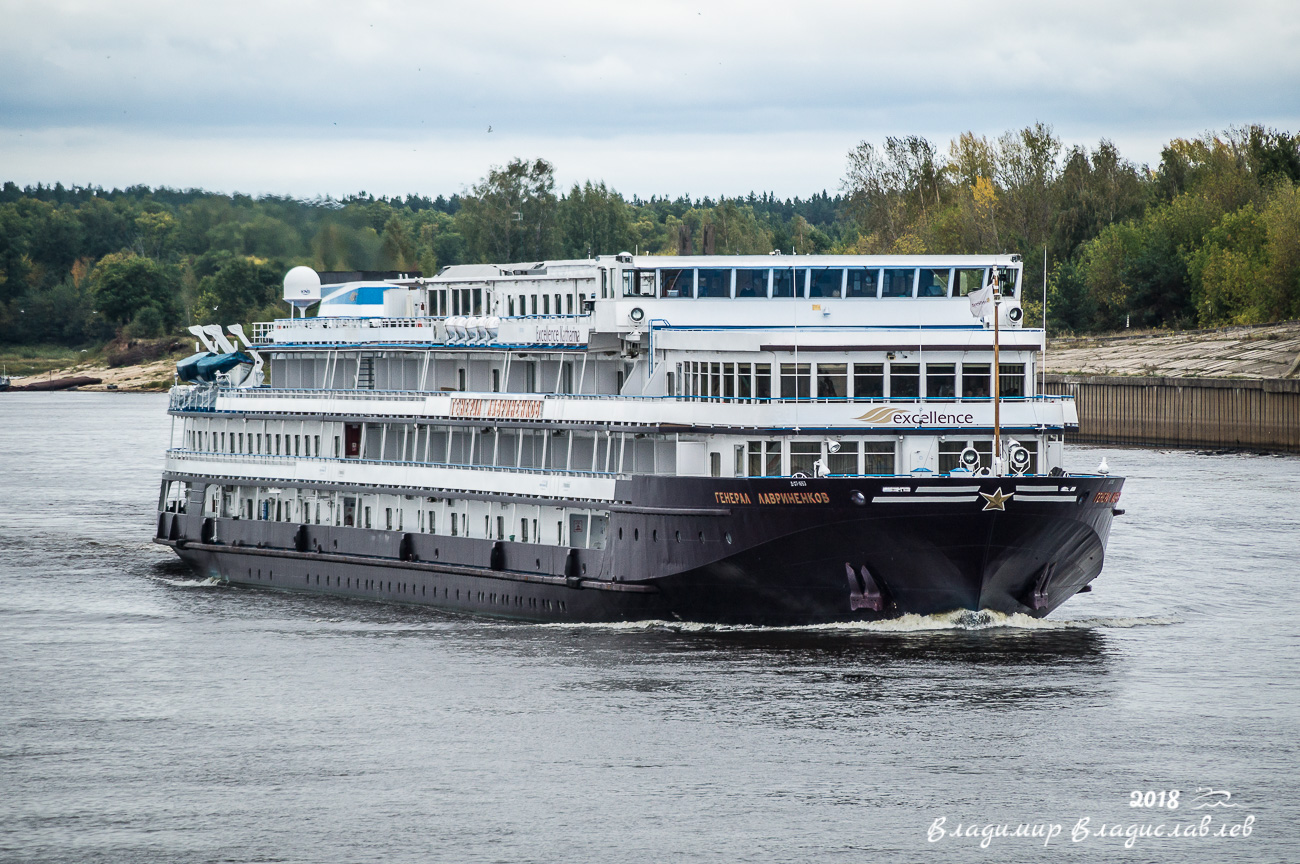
(301, 287)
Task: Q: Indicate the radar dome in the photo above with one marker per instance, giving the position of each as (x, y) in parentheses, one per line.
(301, 287)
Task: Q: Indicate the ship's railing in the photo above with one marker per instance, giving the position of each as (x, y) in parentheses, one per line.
(263, 459)
(193, 397)
(400, 395)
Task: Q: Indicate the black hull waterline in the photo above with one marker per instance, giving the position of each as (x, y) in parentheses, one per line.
(769, 551)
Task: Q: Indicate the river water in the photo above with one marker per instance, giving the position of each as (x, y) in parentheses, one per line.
(147, 716)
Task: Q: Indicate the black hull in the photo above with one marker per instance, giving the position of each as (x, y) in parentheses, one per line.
(761, 551)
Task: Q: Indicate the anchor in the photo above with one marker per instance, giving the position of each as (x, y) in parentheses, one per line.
(865, 594)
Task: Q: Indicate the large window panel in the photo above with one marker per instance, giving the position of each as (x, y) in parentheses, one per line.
(934, 283)
(796, 380)
(896, 282)
(904, 381)
(713, 283)
(803, 457)
(783, 282)
(941, 380)
(676, 283)
(877, 457)
(862, 283)
(868, 381)
(826, 282)
(966, 281)
(832, 380)
(1011, 381)
(975, 381)
(751, 283)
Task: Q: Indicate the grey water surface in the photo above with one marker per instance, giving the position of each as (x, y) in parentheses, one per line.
(149, 716)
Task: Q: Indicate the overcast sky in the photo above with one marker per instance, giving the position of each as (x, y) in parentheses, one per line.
(329, 98)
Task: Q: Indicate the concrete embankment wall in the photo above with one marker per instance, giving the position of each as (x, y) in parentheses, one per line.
(1251, 413)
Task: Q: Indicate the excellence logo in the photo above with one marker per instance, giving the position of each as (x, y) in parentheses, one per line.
(888, 416)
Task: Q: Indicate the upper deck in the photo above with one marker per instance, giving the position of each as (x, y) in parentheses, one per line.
(743, 302)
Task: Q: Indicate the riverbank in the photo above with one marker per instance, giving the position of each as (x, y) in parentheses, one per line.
(152, 377)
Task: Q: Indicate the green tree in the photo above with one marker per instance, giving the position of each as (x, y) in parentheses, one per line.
(593, 221)
(240, 286)
(512, 214)
(123, 283)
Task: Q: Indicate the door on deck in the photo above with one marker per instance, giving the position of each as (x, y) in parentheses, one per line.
(352, 440)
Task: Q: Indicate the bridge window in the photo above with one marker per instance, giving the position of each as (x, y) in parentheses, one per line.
(896, 283)
(868, 381)
(941, 380)
(975, 383)
(713, 283)
(904, 381)
(826, 283)
(862, 283)
(1007, 281)
(783, 283)
(832, 380)
(676, 283)
(933, 283)
(751, 283)
(966, 281)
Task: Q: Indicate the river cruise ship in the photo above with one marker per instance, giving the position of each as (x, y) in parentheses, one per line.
(771, 440)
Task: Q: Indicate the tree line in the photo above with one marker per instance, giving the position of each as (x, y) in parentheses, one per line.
(1209, 236)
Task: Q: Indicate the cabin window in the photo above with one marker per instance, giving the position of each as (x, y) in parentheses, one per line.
(832, 380)
(715, 380)
(676, 283)
(950, 455)
(568, 304)
(862, 283)
(460, 380)
(877, 457)
(367, 516)
(1011, 380)
(713, 283)
(604, 283)
(845, 460)
(975, 383)
(825, 283)
(762, 380)
(803, 457)
(967, 281)
(941, 380)
(557, 304)
(904, 381)
(1032, 447)
(933, 283)
(546, 304)
(496, 380)
(533, 303)
(510, 305)
(783, 283)
(728, 380)
(388, 518)
(868, 381)
(715, 464)
(796, 380)
(316, 445)
(751, 283)
(896, 283)
(764, 458)
(744, 382)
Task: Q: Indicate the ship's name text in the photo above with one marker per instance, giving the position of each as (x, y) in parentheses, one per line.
(500, 409)
(773, 498)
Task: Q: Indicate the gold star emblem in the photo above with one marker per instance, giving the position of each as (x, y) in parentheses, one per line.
(996, 500)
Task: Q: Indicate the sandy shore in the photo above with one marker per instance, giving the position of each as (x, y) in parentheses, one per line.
(156, 376)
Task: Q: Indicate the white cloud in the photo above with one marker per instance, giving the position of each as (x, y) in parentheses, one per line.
(710, 98)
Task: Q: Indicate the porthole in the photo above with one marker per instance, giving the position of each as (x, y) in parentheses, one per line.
(654, 535)
(701, 536)
(620, 533)
(636, 533)
(584, 569)
(727, 537)
(436, 554)
(678, 535)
